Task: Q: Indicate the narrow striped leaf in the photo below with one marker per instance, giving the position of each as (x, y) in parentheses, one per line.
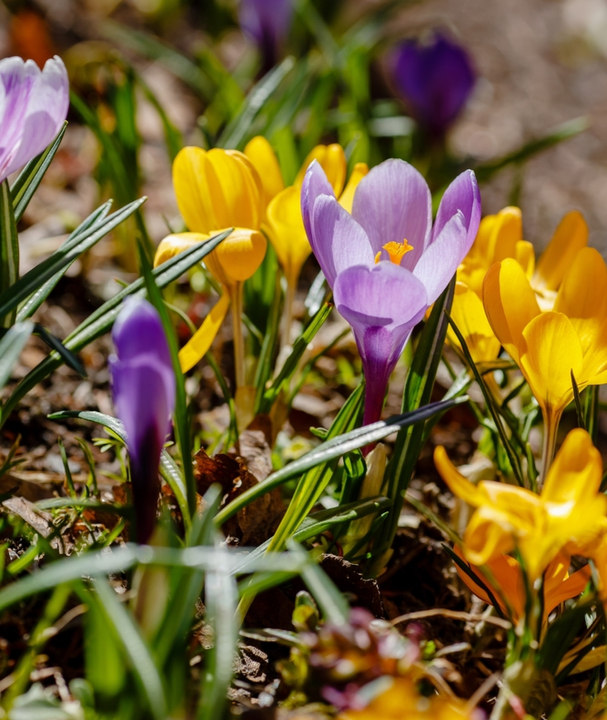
(30, 177)
(9, 249)
(34, 301)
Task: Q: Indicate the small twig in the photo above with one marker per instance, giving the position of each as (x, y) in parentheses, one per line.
(454, 614)
(480, 693)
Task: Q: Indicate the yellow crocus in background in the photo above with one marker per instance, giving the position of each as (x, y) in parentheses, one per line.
(402, 699)
(500, 237)
(215, 190)
(549, 346)
(283, 222)
(567, 515)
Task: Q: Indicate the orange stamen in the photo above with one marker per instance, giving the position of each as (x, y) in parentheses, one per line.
(396, 251)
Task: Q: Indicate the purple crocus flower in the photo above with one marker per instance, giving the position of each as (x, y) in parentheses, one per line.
(268, 23)
(143, 386)
(435, 80)
(33, 107)
(385, 262)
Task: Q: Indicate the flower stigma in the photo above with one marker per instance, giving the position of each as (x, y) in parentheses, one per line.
(395, 250)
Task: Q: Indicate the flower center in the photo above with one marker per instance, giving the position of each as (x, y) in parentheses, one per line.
(395, 250)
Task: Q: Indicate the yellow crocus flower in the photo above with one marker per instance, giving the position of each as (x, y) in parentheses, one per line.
(549, 346)
(468, 313)
(500, 237)
(218, 189)
(510, 587)
(402, 699)
(283, 222)
(568, 514)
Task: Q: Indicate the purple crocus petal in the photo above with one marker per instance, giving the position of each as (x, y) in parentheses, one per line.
(138, 330)
(382, 303)
(435, 80)
(267, 22)
(463, 196)
(314, 185)
(16, 81)
(440, 261)
(33, 107)
(392, 203)
(338, 241)
(143, 386)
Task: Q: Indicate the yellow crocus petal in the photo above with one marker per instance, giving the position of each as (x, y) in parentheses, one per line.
(332, 159)
(286, 231)
(347, 197)
(576, 473)
(488, 536)
(582, 295)
(235, 188)
(198, 345)
(238, 256)
(570, 587)
(191, 184)
(552, 352)
(507, 231)
(458, 484)
(508, 580)
(177, 243)
(595, 357)
(524, 254)
(469, 315)
(569, 238)
(260, 153)
(483, 239)
(510, 304)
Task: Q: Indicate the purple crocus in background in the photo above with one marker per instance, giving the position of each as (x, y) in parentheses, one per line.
(33, 107)
(385, 262)
(267, 22)
(435, 80)
(143, 386)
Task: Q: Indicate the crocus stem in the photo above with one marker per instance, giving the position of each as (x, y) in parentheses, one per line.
(551, 426)
(287, 315)
(236, 293)
(374, 404)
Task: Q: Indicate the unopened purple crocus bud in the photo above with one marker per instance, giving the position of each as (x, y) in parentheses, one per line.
(143, 385)
(267, 22)
(33, 107)
(385, 262)
(434, 79)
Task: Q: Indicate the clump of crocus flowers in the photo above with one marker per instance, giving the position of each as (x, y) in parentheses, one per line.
(143, 386)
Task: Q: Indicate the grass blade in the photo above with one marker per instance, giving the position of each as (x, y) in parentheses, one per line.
(220, 599)
(336, 448)
(236, 131)
(9, 249)
(60, 259)
(135, 648)
(100, 321)
(11, 346)
(55, 344)
(94, 220)
(168, 469)
(291, 363)
(30, 177)
(418, 390)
